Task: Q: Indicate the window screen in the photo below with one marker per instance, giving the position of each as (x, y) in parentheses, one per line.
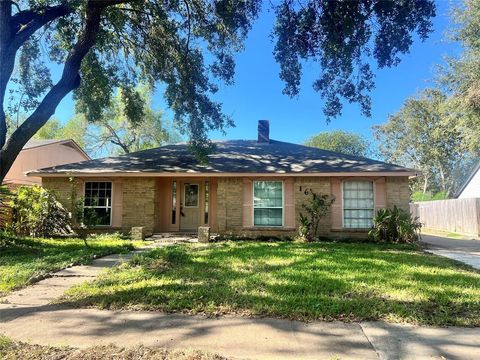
(267, 203)
(358, 204)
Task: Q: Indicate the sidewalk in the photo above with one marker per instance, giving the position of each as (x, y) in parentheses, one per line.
(27, 315)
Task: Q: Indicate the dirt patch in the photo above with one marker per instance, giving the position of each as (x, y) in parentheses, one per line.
(11, 350)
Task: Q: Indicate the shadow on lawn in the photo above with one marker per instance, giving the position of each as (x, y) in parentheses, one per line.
(332, 282)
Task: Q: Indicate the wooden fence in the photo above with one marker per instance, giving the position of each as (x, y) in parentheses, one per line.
(454, 215)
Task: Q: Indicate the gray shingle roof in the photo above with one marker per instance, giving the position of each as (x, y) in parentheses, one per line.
(235, 156)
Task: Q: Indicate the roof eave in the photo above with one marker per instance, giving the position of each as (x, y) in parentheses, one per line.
(409, 173)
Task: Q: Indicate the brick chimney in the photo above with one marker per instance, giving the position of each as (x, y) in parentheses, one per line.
(263, 131)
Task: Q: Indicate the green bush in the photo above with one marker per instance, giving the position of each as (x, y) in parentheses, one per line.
(5, 197)
(316, 207)
(37, 213)
(395, 226)
(420, 196)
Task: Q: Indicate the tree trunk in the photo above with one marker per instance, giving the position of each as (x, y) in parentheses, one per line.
(6, 65)
(425, 184)
(69, 81)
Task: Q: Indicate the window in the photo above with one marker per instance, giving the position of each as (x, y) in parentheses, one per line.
(358, 204)
(267, 203)
(98, 203)
(205, 220)
(174, 202)
(191, 195)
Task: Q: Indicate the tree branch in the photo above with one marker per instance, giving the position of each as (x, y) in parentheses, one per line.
(6, 64)
(70, 80)
(26, 23)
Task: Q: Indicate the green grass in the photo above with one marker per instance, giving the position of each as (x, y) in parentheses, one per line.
(24, 260)
(326, 281)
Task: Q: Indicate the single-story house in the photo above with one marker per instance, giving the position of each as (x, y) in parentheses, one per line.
(471, 187)
(37, 154)
(248, 187)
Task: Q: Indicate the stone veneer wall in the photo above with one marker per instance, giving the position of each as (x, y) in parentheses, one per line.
(139, 203)
(398, 193)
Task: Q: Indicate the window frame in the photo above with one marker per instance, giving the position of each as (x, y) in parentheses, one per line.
(282, 207)
(343, 202)
(102, 207)
(206, 202)
(185, 193)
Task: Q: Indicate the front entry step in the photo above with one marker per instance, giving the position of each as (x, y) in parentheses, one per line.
(172, 238)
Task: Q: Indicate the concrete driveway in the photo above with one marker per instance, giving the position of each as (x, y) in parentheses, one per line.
(466, 251)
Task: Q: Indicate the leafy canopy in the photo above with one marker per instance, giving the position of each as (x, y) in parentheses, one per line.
(188, 47)
(341, 141)
(461, 76)
(114, 133)
(423, 135)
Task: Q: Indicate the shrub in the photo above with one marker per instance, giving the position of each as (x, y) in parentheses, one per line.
(5, 211)
(395, 225)
(36, 212)
(315, 208)
(420, 196)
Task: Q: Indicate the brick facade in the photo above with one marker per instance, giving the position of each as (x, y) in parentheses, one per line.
(229, 204)
(139, 203)
(134, 203)
(302, 188)
(62, 188)
(398, 192)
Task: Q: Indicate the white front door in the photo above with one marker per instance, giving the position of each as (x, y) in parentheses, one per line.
(190, 206)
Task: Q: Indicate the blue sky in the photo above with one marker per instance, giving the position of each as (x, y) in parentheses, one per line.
(257, 92)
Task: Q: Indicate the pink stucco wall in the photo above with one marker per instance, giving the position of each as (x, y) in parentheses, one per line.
(41, 157)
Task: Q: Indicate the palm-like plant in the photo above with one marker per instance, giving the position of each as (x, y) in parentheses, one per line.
(395, 225)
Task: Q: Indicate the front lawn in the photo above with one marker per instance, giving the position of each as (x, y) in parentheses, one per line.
(23, 260)
(292, 280)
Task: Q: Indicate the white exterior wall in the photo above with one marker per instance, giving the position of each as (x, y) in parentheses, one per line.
(472, 190)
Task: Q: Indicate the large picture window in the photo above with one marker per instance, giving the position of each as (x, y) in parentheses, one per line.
(358, 204)
(98, 203)
(267, 203)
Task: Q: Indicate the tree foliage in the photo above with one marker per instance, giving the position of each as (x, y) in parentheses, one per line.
(74, 129)
(344, 37)
(115, 133)
(315, 208)
(341, 141)
(461, 76)
(36, 212)
(188, 47)
(423, 135)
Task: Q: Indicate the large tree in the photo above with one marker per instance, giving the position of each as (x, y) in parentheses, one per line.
(114, 133)
(461, 76)
(188, 46)
(423, 135)
(74, 129)
(341, 141)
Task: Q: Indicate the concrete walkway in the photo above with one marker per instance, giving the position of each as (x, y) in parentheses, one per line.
(466, 251)
(27, 315)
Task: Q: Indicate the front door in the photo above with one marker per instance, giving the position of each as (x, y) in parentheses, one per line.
(190, 207)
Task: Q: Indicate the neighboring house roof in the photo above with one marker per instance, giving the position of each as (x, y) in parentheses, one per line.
(33, 143)
(465, 184)
(235, 156)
